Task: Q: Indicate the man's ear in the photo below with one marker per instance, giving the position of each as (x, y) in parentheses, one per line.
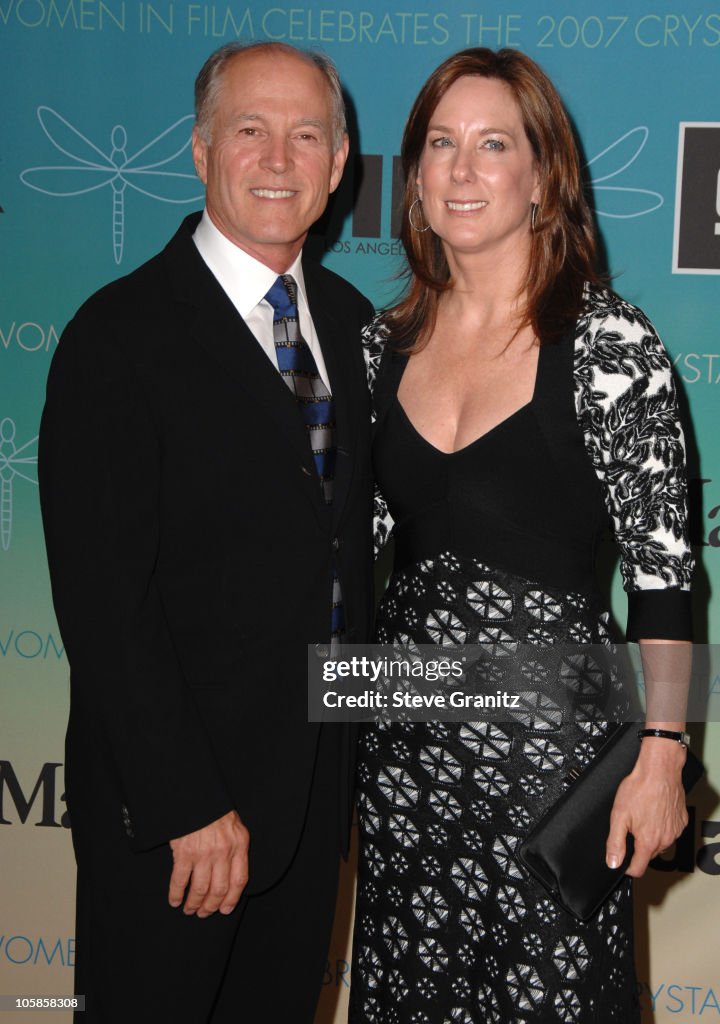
(338, 163)
(199, 155)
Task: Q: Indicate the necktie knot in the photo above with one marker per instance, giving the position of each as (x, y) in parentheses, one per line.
(282, 296)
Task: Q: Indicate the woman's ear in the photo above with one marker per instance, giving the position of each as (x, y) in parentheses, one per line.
(537, 189)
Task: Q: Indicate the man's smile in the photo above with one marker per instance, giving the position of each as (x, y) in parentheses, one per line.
(273, 193)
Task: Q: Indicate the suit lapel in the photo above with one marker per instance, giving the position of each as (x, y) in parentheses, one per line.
(217, 326)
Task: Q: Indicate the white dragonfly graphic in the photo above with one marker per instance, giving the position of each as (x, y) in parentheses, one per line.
(145, 171)
(620, 201)
(13, 461)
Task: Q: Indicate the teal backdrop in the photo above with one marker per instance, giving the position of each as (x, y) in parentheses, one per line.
(95, 175)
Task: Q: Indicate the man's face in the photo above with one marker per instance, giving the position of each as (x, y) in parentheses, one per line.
(269, 165)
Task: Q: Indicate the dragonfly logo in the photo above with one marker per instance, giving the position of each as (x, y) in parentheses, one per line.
(14, 462)
(621, 201)
(147, 171)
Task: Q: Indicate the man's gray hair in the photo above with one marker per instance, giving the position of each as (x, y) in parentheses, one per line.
(209, 82)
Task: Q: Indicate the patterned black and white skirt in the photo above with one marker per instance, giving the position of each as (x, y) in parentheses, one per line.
(449, 926)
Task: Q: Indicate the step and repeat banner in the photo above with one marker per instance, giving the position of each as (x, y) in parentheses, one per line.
(95, 175)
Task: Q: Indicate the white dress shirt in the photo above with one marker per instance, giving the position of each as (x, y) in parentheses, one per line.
(246, 281)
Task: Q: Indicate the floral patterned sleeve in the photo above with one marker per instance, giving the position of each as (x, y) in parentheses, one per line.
(626, 406)
(373, 339)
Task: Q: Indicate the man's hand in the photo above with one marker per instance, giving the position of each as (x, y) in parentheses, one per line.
(214, 861)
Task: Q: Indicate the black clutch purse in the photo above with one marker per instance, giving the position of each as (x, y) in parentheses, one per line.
(565, 850)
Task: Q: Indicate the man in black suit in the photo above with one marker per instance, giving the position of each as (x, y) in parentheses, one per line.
(206, 537)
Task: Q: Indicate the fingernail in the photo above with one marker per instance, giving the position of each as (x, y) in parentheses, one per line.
(613, 861)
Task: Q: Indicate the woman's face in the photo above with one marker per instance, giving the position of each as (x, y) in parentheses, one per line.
(477, 175)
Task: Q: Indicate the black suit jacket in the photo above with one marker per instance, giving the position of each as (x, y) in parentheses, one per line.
(190, 553)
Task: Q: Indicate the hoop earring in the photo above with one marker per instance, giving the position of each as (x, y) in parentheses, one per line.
(418, 231)
(534, 207)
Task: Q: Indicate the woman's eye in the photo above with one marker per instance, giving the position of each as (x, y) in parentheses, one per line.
(441, 142)
(496, 145)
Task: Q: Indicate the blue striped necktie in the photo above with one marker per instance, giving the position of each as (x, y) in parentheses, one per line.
(298, 369)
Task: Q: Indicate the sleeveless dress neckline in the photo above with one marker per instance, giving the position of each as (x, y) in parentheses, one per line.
(481, 437)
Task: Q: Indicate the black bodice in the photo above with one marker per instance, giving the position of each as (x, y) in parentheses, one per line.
(523, 496)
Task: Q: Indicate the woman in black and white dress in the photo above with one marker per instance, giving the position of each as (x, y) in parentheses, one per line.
(518, 401)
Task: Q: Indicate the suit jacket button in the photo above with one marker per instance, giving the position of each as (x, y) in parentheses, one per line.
(336, 543)
(127, 822)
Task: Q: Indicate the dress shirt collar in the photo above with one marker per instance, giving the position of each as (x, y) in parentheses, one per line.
(244, 279)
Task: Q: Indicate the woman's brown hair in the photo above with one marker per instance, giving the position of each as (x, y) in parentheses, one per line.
(563, 247)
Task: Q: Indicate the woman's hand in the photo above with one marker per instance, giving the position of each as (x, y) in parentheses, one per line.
(650, 804)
